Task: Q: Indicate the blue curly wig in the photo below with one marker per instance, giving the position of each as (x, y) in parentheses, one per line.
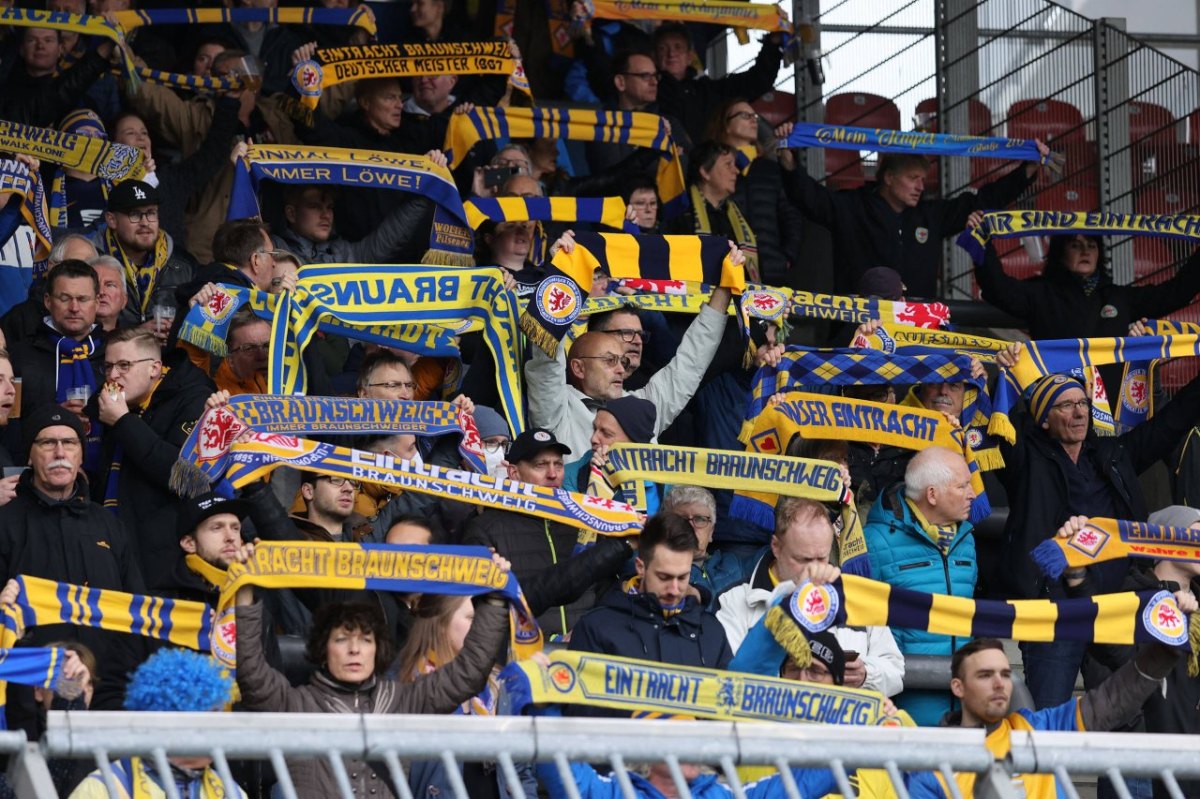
(178, 679)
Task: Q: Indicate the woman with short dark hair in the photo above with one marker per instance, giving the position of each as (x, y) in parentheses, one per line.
(351, 647)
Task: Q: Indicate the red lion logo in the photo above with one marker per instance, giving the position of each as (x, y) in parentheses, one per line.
(814, 604)
(218, 429)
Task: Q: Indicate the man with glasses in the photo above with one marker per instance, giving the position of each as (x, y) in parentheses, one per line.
(635, 78)
(626, 325)
(597, 366)
(52, 530)
(132, 235)
(713, 573)
(800, 548)
(244, 369)
(1057, 469)
(60, 363)
(146, 409)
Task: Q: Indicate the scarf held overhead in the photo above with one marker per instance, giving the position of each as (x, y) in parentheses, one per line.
(558, 300)
(647, 687)
(85, 24)
(607, 211)
(359, 17)
(206, 447)
(1124, 619)
(882, 140)
(615, 127)
(368, 296)
(31, 210)
(257, 454)
(335, 65)
(1013, 224)
(755, 16)
(1103, 540)
(453, 570)
(450, 239)
(106, 160)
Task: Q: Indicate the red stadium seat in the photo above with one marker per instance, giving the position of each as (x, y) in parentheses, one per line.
(776, 107)
(1064, 197)
(1156, 200)
(862, 110)
(1194, 128)
(979, 116)
(1150, 125)
(1081, 167)
(1152, 260)
(1171, 168)
(844, 169)
(1052, 121)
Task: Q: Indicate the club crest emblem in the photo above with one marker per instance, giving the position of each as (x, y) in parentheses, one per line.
(921, 234)
(558, 300)
(307, 78)
(814, 606)
(1164, 620)
(1090, 540)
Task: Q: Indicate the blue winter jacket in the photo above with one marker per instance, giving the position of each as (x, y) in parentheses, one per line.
(902, 555)
(811, 782)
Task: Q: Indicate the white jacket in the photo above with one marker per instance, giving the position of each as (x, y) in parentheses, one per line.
(556, 405)
(744, 605)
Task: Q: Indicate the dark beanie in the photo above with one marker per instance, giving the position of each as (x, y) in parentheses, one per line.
(825, 648)
(43, 416)
(636, 417)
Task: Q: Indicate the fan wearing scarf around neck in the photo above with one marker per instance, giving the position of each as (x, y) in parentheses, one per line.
(436, 638)
(759, 190)
(58, 364)
(153, 271)
(656, 615)
(712, 179)
(77, 199)
(623, 420)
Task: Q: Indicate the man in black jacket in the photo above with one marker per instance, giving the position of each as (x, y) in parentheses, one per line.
(52, 530)
(887, 223)
(692, 99)
(66, 352)
(35, 93)
(532, 544)
(656, 615)
(1059, 468)
(147, 407)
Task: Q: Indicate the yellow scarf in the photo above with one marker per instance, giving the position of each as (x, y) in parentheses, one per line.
(742, 234)
(140, 279)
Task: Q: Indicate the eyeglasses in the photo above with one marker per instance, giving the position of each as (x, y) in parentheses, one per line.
(338, 482)
(492, 446)
(273, 253)
(266, 345)
(67, 299)
(149, 215)
(699, 521)
(651, 76)
(1070, 405)
(49, 444)
(628, 334)
(747, 115)
(392, 385)
(124, 366)
(610, 360)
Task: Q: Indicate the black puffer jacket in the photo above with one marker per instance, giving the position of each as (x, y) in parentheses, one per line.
(150, 444)
(775, 221)
(74, 541)
(633, 626)
(868, 233)
(1035, 478)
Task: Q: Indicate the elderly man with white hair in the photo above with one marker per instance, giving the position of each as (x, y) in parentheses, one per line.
(918, 537)
(112, 298)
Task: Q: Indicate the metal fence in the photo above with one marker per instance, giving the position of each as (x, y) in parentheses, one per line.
(616, 744)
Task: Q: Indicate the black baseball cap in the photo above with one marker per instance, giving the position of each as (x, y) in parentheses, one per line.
(533, 441)
(195, 510)
(130, 194)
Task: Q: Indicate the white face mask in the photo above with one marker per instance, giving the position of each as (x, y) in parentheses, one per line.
(494, 461)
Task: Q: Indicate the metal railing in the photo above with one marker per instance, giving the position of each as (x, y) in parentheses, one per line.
(391, 741)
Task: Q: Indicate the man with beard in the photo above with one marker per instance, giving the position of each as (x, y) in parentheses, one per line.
(132, 236)
(210, 527)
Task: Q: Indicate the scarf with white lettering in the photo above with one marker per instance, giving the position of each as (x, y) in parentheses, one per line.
(30, 210)
(1111, 539)
(1013, 224)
